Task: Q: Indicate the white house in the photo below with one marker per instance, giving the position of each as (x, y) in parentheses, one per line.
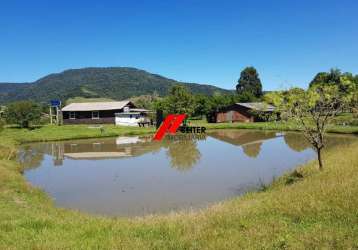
(132, 117)
(120, 113)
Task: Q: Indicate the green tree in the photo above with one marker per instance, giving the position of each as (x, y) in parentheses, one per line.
(320, 77)
(145, 101)
(356, 79)
(203, 105)
(219, 101)
(179, 101)
(249, 83)
(314, 109)
(274, 98)
(23, 113)
(333, 77)
(355, 103)
(247, 97)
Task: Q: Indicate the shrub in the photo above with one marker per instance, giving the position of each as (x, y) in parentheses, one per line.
(293, 177)
(23, 113)
(2, 124)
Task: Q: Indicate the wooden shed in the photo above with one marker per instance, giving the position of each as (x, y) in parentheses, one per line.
(242, 112)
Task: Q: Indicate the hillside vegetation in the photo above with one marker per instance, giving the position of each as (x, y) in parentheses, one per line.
(82, 99)
(114, 83)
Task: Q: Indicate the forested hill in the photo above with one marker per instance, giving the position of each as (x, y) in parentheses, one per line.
(116, 83)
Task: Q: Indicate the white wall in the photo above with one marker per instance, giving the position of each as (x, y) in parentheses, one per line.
(126, 121)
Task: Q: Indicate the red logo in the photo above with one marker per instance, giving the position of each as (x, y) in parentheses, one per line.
(169, 125)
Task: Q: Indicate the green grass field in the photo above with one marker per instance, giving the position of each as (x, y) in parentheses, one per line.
(66, 132)
(316, 211)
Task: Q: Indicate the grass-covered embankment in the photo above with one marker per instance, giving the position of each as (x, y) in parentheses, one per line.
(316, 211)
(67, 132)
(279, 126)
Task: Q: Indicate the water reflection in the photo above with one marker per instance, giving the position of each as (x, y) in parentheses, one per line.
(136, 176)
(252, 149)
(249, 140)
(31, 156)
(183, 154)
(296, 142)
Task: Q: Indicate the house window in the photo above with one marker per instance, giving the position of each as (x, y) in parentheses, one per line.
(95, 115)
(72, 115)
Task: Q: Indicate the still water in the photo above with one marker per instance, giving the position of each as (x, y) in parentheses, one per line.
(130, 176)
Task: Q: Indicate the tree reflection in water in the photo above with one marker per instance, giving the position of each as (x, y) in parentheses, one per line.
(250, 141)
(31, 156)
(252, 150)
(296, 141)
(183, 154)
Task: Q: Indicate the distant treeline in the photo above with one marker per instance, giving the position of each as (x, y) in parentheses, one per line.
(178, 98)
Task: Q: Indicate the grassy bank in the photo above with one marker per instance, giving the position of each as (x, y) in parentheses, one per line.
(55, 133)
(279, 126)
(316, 211)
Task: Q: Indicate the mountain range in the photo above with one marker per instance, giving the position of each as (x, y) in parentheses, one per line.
(116, 83)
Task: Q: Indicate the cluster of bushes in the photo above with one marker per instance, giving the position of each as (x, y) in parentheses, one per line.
(347, 119)
(23, 113)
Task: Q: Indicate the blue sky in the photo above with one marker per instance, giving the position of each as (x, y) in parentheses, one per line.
(288, 41)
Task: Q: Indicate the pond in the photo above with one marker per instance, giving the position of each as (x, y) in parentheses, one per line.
(132, 176)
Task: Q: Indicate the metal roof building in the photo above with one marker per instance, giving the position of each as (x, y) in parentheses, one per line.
(96, 106)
